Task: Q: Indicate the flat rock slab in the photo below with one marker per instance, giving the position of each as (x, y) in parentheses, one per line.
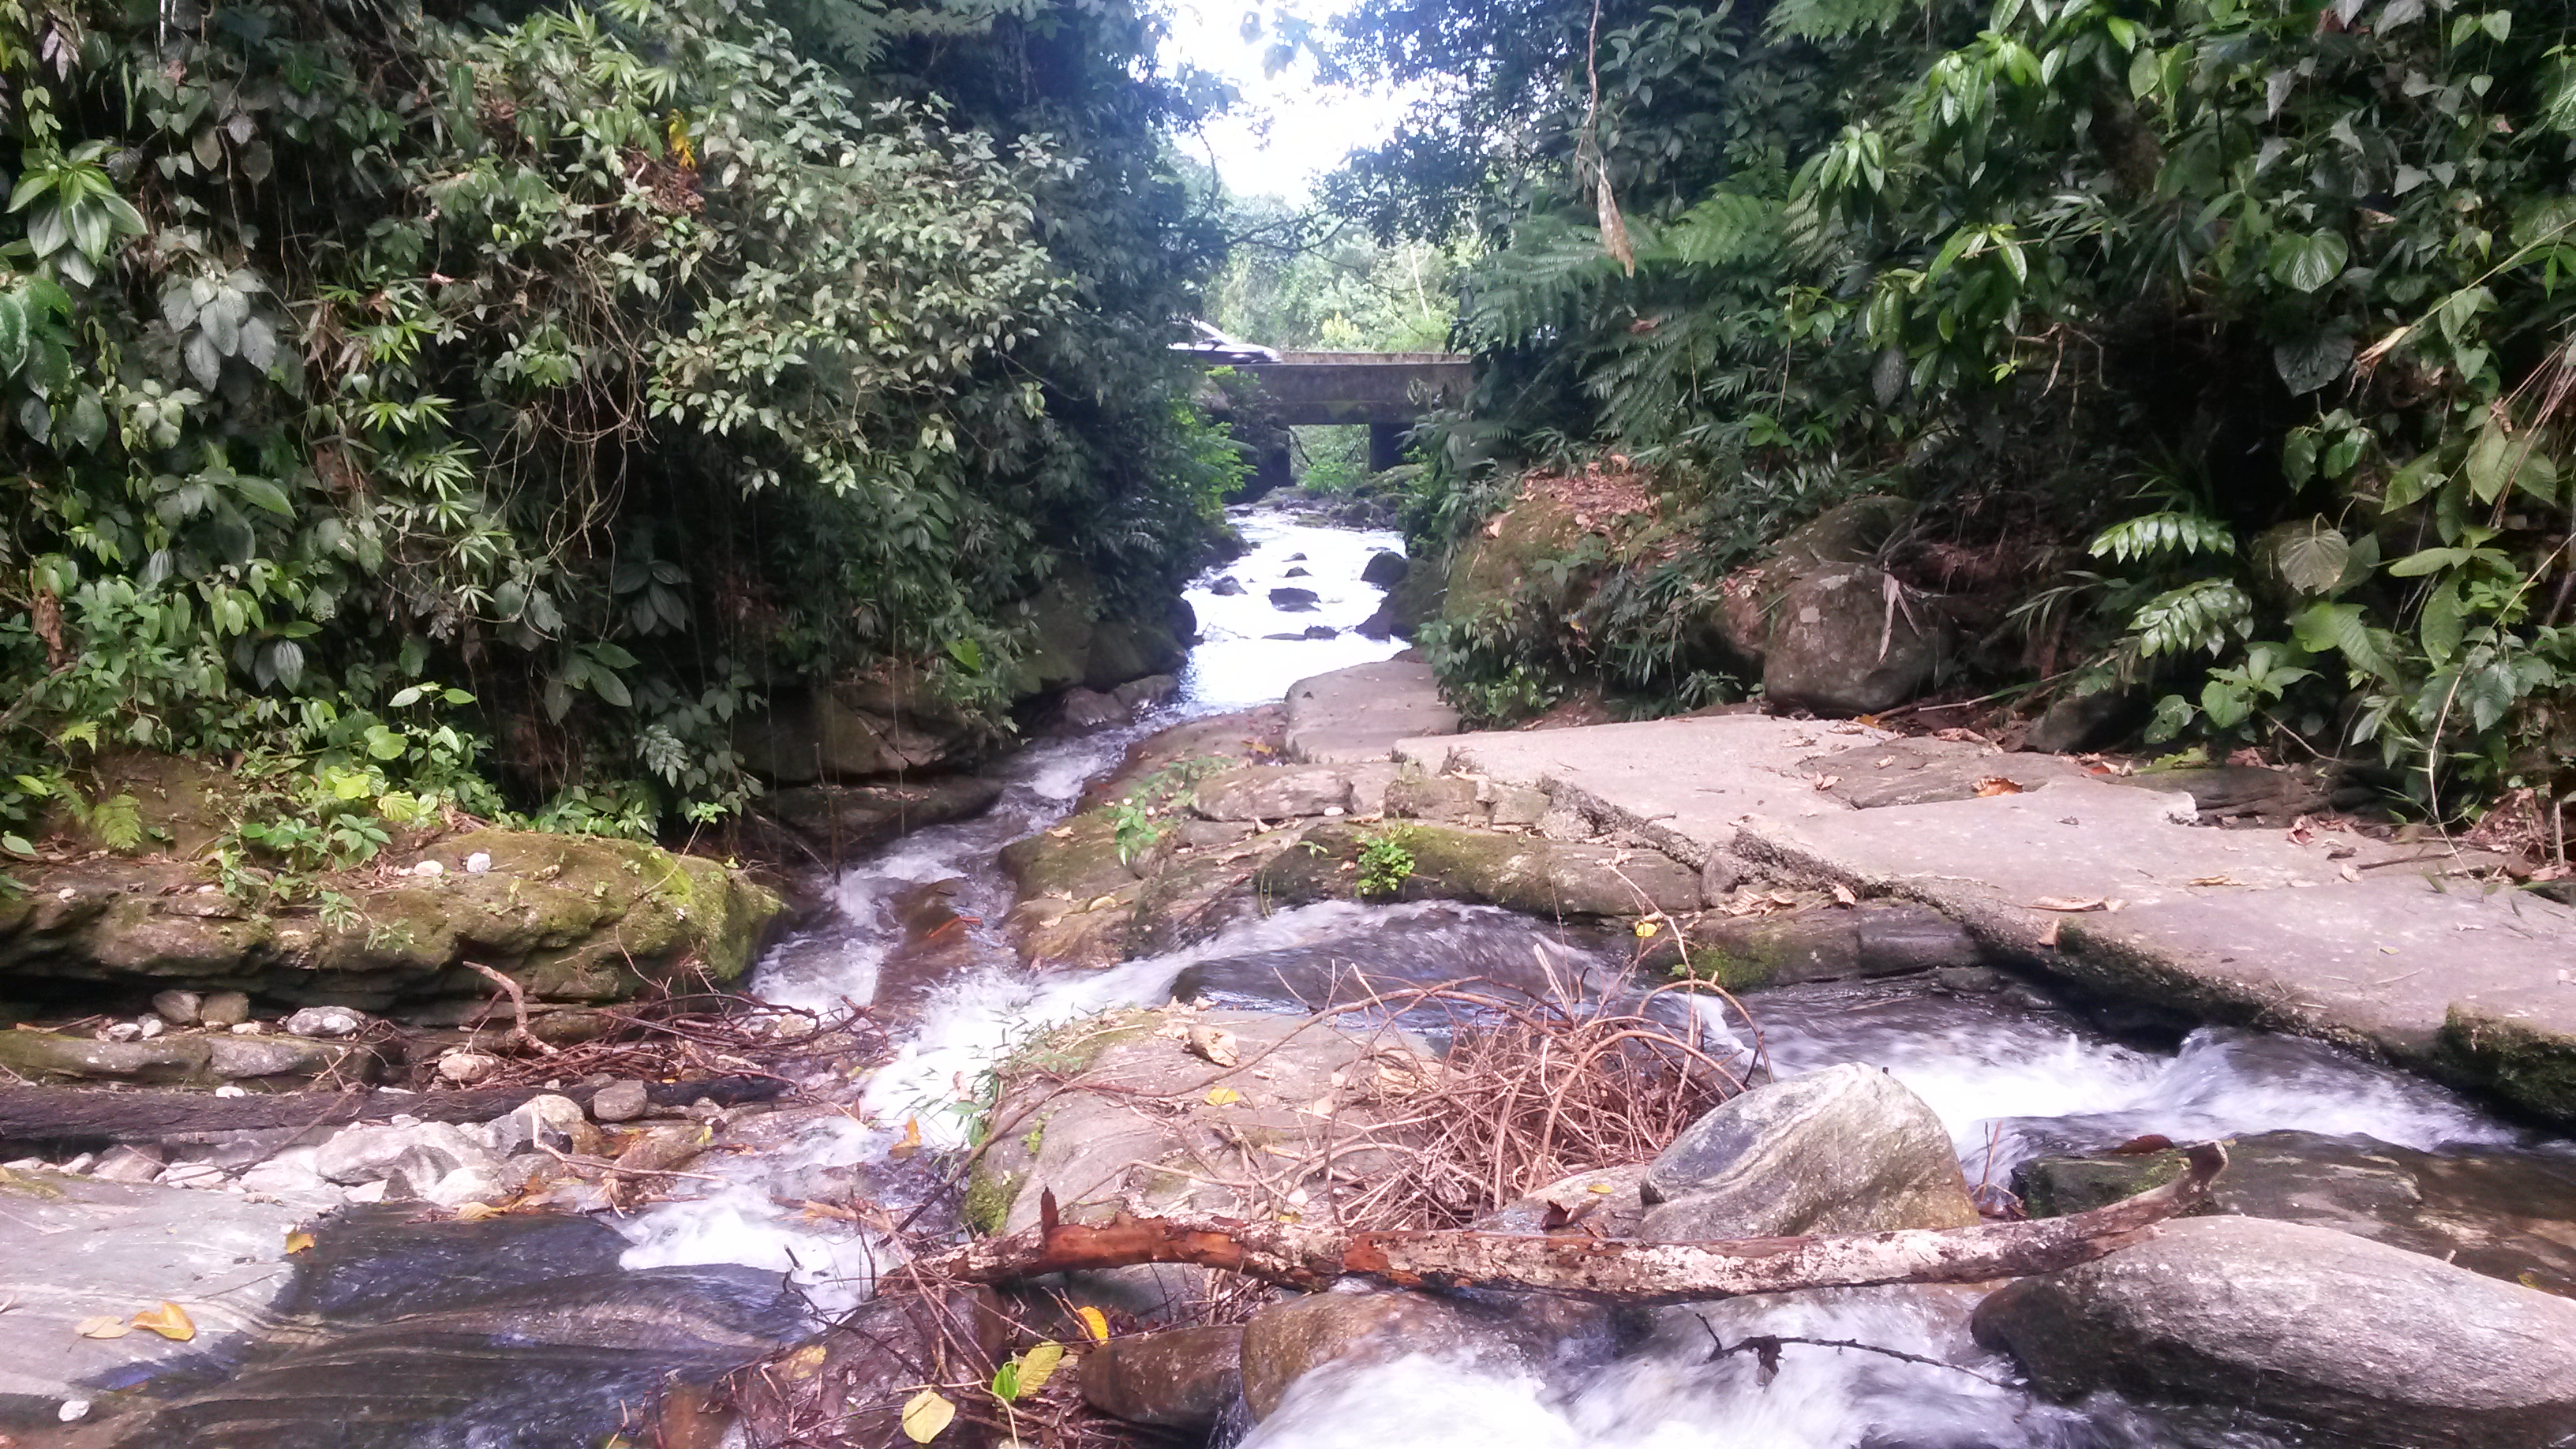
(74, 1248)
(1685, 784)
(2460, 978)
(1355, 716)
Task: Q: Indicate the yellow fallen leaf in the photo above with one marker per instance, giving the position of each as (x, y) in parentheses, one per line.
(1094, 1322)
(803, 1362)
(1994, 785)
(925, 1415)
(1646, 929)
(103, 1326)
(169, 1320)
(909, 1143)
(475, 1212)
(1601, 1187)
(1223, 1096)
(299, 1241)
(1039, 1365)
(1101, 903)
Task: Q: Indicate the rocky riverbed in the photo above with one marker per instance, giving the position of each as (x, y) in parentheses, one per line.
(1250, 958)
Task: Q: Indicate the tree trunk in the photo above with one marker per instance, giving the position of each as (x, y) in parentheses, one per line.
(86, 1115)
(1606, 1269)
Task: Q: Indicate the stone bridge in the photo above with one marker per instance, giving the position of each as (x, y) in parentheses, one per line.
(1388, 392)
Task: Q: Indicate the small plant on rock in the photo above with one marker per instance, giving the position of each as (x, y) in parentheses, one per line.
(1385, 862)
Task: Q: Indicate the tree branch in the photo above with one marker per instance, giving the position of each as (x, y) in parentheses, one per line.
(1598, 1268)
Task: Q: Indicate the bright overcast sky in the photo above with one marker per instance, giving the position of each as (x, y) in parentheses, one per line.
(1288, 131)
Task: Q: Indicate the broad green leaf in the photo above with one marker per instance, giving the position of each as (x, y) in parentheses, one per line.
(2444, 623)
(2311, 556)
(2431, 560)
(610, 688)
(2312, 362)
(2492, 460)
(2309, 262)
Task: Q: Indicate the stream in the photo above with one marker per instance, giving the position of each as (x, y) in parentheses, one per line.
(2011, 1072)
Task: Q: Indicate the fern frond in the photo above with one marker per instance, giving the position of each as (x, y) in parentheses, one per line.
(2199, 615)
(2153, 533)
(1833, 19)
(1725, 229)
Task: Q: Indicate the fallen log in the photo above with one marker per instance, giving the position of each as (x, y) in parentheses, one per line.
(1607, 1269)
(86, 1115)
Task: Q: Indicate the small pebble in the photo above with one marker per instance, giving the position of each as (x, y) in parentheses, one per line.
(179, 1008)
(620, 1102)
(429, 868)
(210, 890)
(247, 1028)
(232, 1089)
(148, 1026)
(319, 1021)
(66, 894)
(479, 863)
(467, 1068)
(122, 1031)
(73, 1410)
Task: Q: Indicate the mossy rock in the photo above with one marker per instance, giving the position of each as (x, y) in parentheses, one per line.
(1518, 872)
(2534, 1068)
(1075, 861)
(571, 918)
(1487, 575)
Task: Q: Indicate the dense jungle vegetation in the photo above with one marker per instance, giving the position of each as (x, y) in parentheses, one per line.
(2227, 344)
(430, 405)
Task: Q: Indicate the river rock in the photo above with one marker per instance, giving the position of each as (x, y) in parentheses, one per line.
(415, 1156)
(2081, 722)
(1517, 872)
(2504, 1212)
(622, 1101)
(1843, 1150)
(225, 1009)
(128, 1163)
(1139, 695)
(854, 819)
(1837, 645)
(1299, 572)
(325, 1021)
(76, 1248)
(1181, 1378)
(1086, 709)
(514, 1332)
(2342, 1337)
(542, 1123)
(1286, 1341)
(1227, 585)
(234, 1058)
(1745, 953)
(1272, 792)
(179, 1008)
(882, 724)
(1385, 568)
(571, 918)
(1293, 600)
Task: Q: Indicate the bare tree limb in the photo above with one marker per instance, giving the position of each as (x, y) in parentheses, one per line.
(1597, 1268)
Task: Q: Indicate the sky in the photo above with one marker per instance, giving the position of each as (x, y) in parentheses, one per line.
(1289, 131)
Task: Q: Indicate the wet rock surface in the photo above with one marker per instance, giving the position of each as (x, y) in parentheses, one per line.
(1842, 1150)
(1519, 872)
(2343, 1337)
(1180, 1378)
(2503, 1212)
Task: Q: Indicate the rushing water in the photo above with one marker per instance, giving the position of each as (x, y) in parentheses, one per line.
(2010, 1074)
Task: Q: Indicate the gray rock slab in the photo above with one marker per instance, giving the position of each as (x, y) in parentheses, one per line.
(2461, 977)
(1357, 715)
(1685, 784)
(1843, 1150)
(75, 1248)
(2356, 1342)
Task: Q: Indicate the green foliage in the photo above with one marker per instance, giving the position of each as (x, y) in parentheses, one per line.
(615, 362)
(2316, 260)
(1385, 861)
(1138, 819)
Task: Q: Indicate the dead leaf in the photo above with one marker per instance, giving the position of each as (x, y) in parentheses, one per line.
(1215, 1044)
(1101, 902)
(1223, 1096)
(1958, 736)
(103, 1326)
(803, 1363)
(2213, 880)
(1997, 785)
(1824, 782)
(475, 1212)
(1843, 893)
(2069, 903)
(299, 1241)
(2350, 873)
(925, 1415)
(1094, 1322)
(909, 1143)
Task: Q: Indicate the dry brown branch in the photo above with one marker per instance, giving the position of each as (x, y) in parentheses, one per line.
(518, 1007)
(1606, 1269)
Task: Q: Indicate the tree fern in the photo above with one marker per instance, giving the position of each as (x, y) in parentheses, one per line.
(1727, 228)
(2199, 615)
(2150, 534)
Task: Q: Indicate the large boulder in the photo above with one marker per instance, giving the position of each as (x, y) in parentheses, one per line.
(570, 918)
(2334, 1335)
(852, 819)
(1843, 1150)
(1385, 569)
(2506, 1212)
(1847, 641)
(1286, 1341)
(892, 722)
(1750, 616)
(1273, 792)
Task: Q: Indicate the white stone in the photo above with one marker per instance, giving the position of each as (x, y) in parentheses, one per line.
(73, 1411)
(248, 1028)
(122, 1031)
(466, 1184)
(429, 868)
(479, 863)
(467, 1068)
(149, 1026)
(325, 1021)
(179, 1008)
(231, 1089)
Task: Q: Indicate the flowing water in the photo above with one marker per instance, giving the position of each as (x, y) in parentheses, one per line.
(2009, 1072)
